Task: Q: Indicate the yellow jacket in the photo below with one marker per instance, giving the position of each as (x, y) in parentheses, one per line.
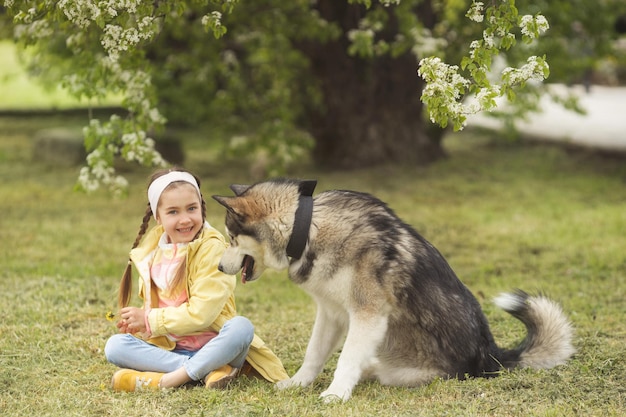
(211, 298)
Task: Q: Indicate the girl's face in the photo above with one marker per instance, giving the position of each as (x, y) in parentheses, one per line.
(180, 213)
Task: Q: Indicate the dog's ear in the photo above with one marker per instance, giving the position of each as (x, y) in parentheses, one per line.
(226, 202)
(239, 189)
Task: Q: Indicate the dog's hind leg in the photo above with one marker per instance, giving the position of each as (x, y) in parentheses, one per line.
(329, 328)
(365, 334)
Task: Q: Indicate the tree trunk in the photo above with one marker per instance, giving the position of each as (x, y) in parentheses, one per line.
(371, 112)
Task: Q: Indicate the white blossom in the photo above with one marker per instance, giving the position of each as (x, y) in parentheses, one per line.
(155, 116)
(360, 33)
(87, 181)
(542, 23)
(211, 17)
(80, 12)
(91, 177)
(116, 39)
(489, 39)
(486, 97)
(387, 3)
(39, 29)
(475, 13)
(445, 86)
(532, 70)
(532, 26)
(474, 45)
(424, 43)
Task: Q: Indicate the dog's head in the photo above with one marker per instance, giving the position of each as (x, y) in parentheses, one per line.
(259, 223)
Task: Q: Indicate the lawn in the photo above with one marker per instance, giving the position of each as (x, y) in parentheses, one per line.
(505, 215)
(21, 92)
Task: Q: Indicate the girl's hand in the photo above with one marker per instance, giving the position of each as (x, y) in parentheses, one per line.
(132, 320)
(122, 326)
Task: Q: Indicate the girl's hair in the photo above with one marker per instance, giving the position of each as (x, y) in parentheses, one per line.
(126, 282)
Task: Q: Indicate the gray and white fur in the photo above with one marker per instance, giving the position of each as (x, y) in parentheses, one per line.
(383, 290)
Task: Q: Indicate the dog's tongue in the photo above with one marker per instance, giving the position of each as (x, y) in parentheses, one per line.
(246, 269)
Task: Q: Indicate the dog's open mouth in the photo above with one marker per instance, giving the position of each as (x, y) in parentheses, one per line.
(247, 268)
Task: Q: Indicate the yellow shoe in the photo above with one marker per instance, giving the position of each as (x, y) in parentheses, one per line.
(131, 380)
(221, 377)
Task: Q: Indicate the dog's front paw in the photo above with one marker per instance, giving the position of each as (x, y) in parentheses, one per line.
(300, 379)
(284, 384)
(290, 383)
(329, 396)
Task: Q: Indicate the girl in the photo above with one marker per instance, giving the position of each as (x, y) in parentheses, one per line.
(188, 328)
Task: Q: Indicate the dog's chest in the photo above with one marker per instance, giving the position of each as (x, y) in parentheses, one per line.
(325, 283)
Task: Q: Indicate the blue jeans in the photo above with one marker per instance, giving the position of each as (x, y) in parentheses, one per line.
(230, 347)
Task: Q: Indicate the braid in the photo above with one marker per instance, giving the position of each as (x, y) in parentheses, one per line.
(144, 226)
(126, 284)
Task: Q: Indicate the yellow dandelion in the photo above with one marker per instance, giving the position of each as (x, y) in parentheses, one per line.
(110, 316)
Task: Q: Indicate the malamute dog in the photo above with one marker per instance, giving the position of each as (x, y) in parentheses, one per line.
(405, 316)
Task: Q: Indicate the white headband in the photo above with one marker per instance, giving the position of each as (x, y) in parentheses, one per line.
(156, 188)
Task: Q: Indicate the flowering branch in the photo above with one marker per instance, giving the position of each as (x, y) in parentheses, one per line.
(446, 88)
(104, 54)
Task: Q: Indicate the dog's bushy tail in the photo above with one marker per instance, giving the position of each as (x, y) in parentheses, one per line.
(549, 339)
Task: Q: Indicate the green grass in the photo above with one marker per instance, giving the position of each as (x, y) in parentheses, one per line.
(505, 216)
(21, 92)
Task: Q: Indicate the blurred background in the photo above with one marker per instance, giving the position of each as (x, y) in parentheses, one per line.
(288, 85)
